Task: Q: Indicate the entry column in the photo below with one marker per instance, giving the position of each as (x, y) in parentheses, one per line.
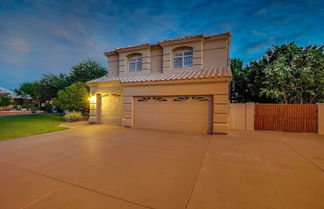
(127, 111)
(95, 108)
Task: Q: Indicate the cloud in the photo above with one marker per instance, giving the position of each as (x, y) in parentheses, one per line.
(257, 46)
(258, 33)
(42, 36)
(262, 12)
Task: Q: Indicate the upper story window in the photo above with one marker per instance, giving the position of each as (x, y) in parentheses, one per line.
(135, 64)
(182, 59)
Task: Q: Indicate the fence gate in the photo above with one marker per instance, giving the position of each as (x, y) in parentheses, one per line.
(286, 117)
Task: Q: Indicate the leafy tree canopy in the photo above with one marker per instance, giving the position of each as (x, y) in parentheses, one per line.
(4, 100)
(285, 74)
(48, 86)
(28, 89)
(86, 71)
(74, 97)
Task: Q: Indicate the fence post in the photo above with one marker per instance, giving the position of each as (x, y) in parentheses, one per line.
(320, 118)
(249, 111)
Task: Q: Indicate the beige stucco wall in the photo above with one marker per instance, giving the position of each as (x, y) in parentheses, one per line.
(242, 116)
(238, 116)
(215, 53)
(156, 59)
(169, 49)
(113, 64)
(125, 55)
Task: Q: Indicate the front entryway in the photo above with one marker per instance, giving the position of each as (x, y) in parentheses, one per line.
(111, 109)
(182, 113)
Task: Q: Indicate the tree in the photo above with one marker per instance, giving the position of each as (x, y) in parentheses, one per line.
(74, 97)
(28, 89)
(294, 74)
(285, 74)
(238, 81)
(5, 100)
(50, 84)
(247, 82)
(86, 71)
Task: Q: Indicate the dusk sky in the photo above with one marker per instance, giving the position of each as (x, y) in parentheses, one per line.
(50, 36)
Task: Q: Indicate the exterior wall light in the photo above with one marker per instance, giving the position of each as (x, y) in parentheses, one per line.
(93, 100)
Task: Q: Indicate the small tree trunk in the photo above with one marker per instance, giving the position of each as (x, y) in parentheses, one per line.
(285, 99)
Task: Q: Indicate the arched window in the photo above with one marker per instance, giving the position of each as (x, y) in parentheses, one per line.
(135, 63)
(182, 58)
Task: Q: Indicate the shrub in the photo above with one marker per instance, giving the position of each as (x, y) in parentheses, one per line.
(4, 100)
(74, 97)
(46, 107)
(73, 116)
(27, 106)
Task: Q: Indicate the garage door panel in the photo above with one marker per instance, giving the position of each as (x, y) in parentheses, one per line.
(172, 119)
(170, 110)
(184, 115)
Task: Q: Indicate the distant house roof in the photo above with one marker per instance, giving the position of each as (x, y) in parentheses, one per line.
(221, 72)
(12, 94)
(4, 91)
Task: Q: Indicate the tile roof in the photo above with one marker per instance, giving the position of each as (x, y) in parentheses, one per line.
(167, 41)
(133, 46)
(182, 38)
(221, 72)
(13, 94)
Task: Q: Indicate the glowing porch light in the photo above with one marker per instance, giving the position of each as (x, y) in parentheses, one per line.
(92, 99)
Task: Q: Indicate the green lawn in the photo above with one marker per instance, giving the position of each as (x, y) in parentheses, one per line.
(15, 126)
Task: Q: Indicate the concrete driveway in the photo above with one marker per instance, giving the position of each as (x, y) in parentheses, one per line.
(107, 167)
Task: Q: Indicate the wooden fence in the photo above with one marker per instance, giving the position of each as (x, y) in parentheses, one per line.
(286, 117)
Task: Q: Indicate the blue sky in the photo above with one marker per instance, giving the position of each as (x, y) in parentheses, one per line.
(49, 36)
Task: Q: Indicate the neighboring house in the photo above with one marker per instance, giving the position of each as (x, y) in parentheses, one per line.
(14, 97)
(178, 85)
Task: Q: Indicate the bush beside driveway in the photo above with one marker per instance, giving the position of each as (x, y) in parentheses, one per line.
(99, 166)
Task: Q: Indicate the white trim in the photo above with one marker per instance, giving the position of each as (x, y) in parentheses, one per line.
(137, 61)
(181, 55)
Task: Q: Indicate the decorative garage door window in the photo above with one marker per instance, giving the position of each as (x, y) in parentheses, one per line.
(111, 94)
(144, 99)
(197, 98)
(200, 98)
(180, 99)
(174, 99)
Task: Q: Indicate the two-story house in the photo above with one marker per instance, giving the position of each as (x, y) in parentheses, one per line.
(177, 85)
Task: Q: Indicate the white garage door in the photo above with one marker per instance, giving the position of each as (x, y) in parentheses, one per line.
(184, 113)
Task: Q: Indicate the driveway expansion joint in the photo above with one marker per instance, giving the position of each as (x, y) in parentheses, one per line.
(74, 185)
(199, 172)
(38, 199)
(302, 156)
